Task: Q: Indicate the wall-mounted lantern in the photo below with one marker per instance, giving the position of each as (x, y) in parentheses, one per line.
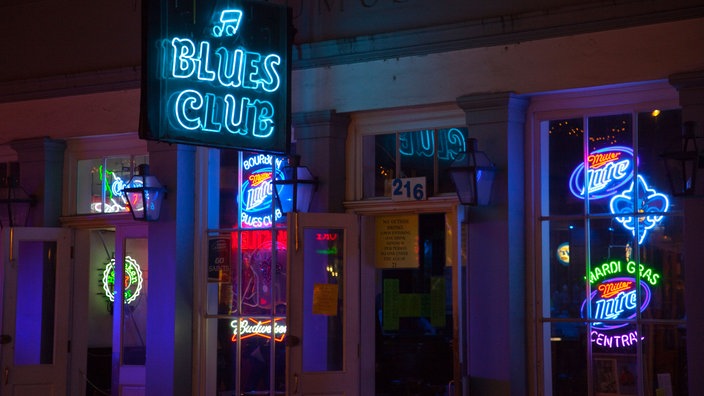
(681, 166)
(473, 175)
(15, 203)
(294, 192)
(144, 195)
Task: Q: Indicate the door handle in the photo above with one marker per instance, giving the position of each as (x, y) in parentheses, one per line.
(295, 384)
(6, 375)
(5, 338)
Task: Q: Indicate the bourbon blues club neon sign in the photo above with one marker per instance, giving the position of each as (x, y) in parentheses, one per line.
(217, 73)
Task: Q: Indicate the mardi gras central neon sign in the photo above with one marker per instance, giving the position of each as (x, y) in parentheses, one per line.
(132, 281)
(619, 292)
(221, 76)
(243, 328)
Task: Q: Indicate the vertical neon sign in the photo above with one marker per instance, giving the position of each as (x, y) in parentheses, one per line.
(257, 190)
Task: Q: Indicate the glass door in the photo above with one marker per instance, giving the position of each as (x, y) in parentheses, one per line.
(35, 285)
(413, 306)
(323, 340)
(128, 281)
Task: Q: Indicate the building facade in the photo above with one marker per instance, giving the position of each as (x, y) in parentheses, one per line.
(577, 278)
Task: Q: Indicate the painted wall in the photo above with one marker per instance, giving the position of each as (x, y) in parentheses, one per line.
(628, 55)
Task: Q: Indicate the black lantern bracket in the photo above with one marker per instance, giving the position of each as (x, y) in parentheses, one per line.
(144, 195)
(683, 165)
(472, 173)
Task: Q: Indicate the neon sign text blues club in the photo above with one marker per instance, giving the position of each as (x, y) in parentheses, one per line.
(221, 79)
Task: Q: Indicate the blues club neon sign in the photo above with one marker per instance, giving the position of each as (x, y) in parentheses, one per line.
(217, 74)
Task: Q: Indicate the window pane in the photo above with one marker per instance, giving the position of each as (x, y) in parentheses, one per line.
(417, 151)
(36, 285)
(450, 142)
(379, 164)
(610, 160)
(323, 293)
(566, 269)
(566, 177)
(569, 358)
(134, 322)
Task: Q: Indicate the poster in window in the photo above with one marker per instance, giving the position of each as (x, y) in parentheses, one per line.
(606, 382)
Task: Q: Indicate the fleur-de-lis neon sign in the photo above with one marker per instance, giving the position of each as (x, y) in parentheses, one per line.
(639, 198)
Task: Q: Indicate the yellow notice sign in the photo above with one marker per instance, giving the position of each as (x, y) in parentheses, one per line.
(397, 241)
(325, 299)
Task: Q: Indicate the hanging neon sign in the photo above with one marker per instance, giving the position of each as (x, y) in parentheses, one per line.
(132, 280)
(614, 297)
(219, 78)
(640, 199)
(256, 191)
(609, 169)
(243, 328)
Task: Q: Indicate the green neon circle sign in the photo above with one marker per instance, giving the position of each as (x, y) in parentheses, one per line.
(133, 280)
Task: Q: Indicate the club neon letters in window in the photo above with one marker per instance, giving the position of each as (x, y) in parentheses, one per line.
(132, 280)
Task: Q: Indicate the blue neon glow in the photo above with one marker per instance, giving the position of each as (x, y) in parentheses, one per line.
(422, 143)
(620, 306)
(235, 67)
(610, 168)
(229, 23)
(637, 200)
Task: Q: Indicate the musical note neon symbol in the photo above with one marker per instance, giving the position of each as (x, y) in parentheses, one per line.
(230, 23)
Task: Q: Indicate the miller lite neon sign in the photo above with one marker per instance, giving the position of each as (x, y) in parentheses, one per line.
(608, 169)
(620, 291)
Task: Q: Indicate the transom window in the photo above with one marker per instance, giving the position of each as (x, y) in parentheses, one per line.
(424, 153)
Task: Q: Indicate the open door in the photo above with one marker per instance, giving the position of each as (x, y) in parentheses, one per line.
(35, 278)
(323, 305)
(129, 350)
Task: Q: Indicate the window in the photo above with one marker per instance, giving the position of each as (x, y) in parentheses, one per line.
(612, 266)
(246, 280)
(424, 153)
(100, 182)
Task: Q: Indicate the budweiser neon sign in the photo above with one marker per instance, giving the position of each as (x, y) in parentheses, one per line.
(607, 170)
(621, 291)
(243, 328)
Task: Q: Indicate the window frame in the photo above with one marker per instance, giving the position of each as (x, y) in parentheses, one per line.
(594, 102)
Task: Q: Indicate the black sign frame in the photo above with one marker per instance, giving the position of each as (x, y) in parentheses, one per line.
(241, 107)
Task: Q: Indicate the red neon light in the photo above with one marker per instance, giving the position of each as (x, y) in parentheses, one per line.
(326, 236)
(258, 178)
(611, 289)
(601, 159)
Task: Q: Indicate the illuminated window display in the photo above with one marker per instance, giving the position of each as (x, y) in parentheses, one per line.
(247, 277)
(426, 153)
(613, 266)
(100, 182)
